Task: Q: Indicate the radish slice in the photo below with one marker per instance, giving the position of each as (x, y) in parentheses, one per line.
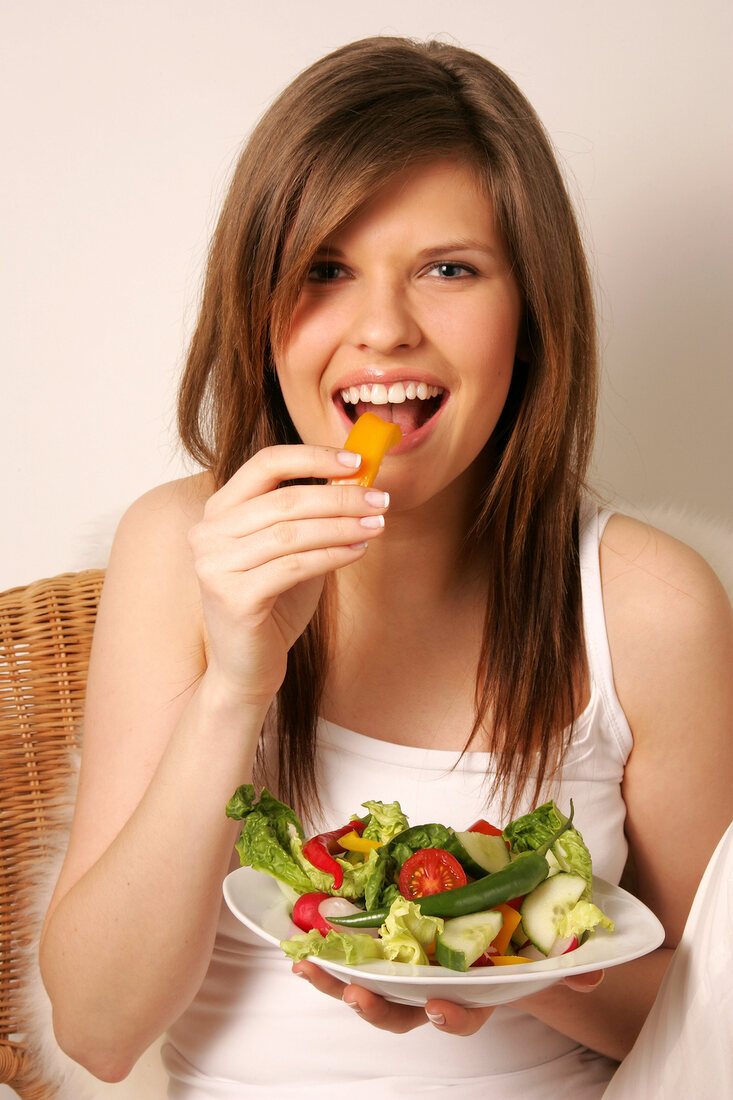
(532, 953)
(306, 914)
(320, 911)
(330, 909)
(562, 946)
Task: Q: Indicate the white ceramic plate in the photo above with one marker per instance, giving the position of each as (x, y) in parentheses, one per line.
(256, 900)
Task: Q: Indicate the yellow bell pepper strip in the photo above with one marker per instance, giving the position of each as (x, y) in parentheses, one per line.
(371, 437)
(511, 920)
(508, 960)
(319, 851)
(353, 842)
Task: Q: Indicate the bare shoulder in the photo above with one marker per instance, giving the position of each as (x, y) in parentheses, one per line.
(167, 512)
(662, 600)
(667, 615)
(150, 548)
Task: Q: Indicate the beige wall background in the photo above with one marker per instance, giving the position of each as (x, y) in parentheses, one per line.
(120, 125)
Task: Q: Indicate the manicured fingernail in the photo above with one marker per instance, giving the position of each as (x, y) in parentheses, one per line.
(358, 545)
(349, 458)
(438, 1019)
(376, 498)
(354, 1005)
(372, 521)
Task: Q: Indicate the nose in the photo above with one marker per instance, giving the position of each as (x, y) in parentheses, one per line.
(384, 319)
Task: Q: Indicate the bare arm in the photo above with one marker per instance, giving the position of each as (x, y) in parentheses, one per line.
(203, 598)
(671, 635)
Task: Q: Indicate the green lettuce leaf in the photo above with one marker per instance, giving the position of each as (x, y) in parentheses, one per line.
(266, 840)
(407, 932)
(258, 847)
(353, 948)
(531, 831)
(583, 917)
(386, 820)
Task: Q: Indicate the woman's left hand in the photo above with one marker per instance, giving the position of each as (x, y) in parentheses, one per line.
(445, 1015)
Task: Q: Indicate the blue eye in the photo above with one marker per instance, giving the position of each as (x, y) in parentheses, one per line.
(448, 270)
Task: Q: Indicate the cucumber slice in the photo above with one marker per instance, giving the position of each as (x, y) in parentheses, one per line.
(546, 905)
(490, 852)
(464, 939)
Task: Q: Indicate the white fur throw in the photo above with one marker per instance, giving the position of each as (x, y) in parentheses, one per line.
(712, 539)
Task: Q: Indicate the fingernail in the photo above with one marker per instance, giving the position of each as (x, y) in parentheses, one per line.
(376, 498)
(372, 521)
(438, 1019)
(358, 545)
(349, 458)
(598, 980)
(354, 1005)
(300, 974)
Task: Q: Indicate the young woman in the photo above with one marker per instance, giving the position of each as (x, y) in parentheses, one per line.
(397, 231)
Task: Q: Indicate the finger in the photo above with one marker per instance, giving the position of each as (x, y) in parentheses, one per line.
(319, 979)
(272, 465)
(264, 584)
(456, 1019)
(386, 1015)
(585, 983)
(297, 502)
(291, 540)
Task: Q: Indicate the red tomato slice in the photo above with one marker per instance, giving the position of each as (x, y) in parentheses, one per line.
(430, 871)
(482, 826)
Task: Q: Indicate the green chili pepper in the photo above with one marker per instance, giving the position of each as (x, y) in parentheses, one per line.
(519, 877)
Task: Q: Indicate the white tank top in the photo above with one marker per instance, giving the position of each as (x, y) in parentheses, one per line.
(256, 1031)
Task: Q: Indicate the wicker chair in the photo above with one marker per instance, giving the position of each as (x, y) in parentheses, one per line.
(45, 637)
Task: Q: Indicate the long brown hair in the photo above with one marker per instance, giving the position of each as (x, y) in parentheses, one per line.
(339, 131)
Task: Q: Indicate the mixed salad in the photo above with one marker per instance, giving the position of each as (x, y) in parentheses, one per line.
(379, 888)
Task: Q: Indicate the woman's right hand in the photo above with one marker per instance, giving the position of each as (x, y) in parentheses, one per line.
(262, 552)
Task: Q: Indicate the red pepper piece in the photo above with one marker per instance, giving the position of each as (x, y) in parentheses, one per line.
(318, 850)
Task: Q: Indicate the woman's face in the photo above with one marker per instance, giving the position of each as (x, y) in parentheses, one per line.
(411, 311)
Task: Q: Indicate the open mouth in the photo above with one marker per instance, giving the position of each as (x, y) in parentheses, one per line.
(408, 404)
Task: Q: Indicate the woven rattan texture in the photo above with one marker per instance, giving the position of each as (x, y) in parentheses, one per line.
(45, 637)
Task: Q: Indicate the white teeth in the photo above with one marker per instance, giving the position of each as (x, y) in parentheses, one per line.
(396, 394)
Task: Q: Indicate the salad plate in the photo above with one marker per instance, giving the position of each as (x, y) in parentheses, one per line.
(258, 902)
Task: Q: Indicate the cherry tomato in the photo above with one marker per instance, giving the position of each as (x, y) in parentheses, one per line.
(430, 871)
(482, 826)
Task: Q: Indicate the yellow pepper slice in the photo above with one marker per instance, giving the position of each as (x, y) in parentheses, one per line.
(508, 960)
(371, 437)
(352, 842)
(511, 920)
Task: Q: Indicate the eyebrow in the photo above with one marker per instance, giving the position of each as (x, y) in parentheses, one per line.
(463, 244)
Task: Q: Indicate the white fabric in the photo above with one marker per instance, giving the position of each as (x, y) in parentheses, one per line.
(685, 1048)
(255, 1030)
